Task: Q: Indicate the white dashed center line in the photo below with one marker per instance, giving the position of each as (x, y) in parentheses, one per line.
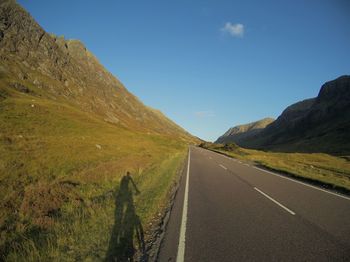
(275, 201)
(223, 167)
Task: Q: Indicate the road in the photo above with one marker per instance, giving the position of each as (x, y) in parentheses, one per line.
(226, 210)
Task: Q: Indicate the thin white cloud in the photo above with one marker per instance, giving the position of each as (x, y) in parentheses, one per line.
(204, 114)
(235, 30)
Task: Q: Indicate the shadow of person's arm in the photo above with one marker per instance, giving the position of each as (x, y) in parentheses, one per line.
(134, 185)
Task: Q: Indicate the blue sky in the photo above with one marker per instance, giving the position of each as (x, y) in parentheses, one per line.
(210, 65)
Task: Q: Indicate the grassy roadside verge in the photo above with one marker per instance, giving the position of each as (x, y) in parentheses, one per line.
(323, 169)
(61, 173)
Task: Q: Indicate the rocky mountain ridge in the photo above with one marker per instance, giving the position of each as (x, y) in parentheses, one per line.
(239, 133)
(57, 68)
(320, 124)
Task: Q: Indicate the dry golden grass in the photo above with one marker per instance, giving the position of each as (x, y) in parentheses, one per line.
(60, 169)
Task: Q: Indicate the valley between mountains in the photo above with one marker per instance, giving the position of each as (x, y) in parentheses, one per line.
(90, 173)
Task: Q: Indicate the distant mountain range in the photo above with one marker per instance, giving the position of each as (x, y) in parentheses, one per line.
(239, 134)
(320, 124)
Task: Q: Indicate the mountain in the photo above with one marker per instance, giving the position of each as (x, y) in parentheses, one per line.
(241, 133)
(320, 124)
(69, 132)
(45, 65)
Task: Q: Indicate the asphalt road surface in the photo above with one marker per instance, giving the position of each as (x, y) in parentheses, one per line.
(226, 210)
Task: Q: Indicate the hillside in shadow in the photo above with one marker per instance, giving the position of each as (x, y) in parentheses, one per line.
(316, 125)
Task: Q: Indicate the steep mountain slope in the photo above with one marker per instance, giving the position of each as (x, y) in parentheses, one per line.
(51, 66)
(69, 131)
(320, 124)
(241, 133)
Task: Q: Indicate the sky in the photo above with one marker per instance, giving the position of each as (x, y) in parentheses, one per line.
(211, 64)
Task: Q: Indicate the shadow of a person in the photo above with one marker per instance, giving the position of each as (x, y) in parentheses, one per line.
(127, 225)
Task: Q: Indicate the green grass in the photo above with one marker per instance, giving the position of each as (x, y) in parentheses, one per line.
(60, 171)
(324, 168)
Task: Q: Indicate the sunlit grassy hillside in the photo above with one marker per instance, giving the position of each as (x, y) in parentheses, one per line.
(69, 132)
(60, 170)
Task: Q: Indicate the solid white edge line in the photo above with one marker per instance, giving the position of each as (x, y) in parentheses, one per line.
(223, 167)
(296, 181)
(275, 201)
(182, 239)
